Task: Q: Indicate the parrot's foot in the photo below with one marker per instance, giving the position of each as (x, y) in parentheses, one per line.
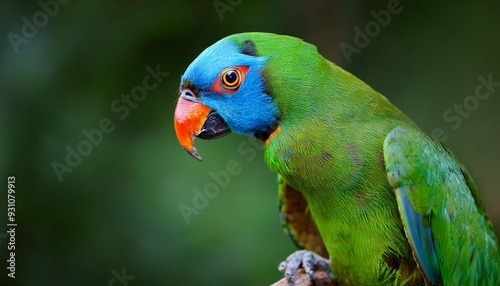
(308, 260)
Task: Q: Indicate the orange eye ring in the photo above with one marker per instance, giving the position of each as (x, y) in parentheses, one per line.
(231, 78)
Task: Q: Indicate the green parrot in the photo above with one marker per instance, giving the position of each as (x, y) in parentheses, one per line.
(362, 190)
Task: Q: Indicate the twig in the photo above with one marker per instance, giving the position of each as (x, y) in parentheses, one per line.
(301, 279)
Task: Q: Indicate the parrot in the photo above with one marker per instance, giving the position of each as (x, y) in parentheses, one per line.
(363, 192)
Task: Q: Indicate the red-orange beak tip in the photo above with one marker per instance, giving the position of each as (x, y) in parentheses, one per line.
(193, 152)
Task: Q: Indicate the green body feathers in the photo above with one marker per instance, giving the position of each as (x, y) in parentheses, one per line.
(339, 144)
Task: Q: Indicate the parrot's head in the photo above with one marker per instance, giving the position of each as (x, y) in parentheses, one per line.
(225, 90)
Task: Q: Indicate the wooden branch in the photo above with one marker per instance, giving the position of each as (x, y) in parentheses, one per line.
(301, 279)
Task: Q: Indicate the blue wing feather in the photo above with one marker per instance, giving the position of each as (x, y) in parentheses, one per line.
(420, 235)
(452, 239)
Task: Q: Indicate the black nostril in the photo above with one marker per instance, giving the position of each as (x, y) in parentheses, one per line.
(189, 95)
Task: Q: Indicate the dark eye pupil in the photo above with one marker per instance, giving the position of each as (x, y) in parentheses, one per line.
(231, 77)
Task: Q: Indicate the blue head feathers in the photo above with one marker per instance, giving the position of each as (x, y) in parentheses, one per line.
(246, 109)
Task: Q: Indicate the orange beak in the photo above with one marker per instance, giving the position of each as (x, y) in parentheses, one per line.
(193, 118)
(188, 121)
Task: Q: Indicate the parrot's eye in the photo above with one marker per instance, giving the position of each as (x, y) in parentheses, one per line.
(231, 78)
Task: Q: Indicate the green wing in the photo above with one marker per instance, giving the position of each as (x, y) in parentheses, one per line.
(445, 221)
(297, 221)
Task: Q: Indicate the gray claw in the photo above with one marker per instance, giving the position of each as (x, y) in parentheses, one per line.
(308, 260)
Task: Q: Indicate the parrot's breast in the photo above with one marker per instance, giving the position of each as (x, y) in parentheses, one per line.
(342, 177)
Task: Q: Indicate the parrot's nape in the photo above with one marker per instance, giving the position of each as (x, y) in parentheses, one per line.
(362, 190)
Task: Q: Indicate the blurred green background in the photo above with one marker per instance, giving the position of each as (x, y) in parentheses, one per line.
(118, 210)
